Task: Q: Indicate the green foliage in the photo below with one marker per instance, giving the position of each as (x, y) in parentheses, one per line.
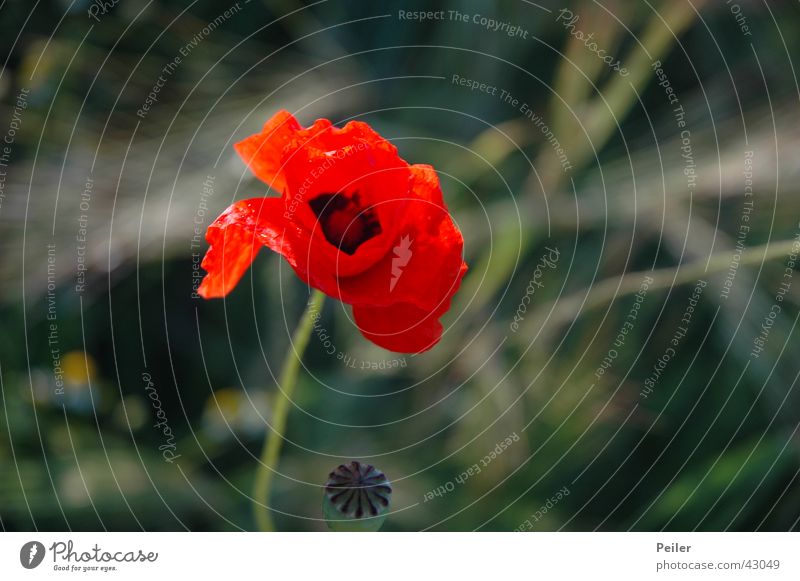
(713, 447)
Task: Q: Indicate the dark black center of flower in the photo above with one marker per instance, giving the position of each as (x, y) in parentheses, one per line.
(357, 489)
(345, 222)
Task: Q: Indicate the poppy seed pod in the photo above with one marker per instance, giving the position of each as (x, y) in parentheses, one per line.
(357, 498)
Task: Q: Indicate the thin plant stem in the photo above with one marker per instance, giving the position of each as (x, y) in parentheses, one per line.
(569, 307)
(274, 441)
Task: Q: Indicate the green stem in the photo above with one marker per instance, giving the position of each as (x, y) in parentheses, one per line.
(286, 384)
(566, 308)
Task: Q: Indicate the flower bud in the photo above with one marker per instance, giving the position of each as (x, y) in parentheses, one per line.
(356, 498)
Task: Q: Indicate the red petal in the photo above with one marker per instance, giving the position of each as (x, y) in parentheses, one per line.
(267, 153)
(434, 267)
(303, 163)
(401, 328)
(400, 279)
(380, 180)
(263, 151)
(237, 235)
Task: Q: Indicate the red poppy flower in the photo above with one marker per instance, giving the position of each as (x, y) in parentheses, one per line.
(354, 220)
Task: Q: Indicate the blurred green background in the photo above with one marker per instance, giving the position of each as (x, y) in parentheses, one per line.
(712, 446)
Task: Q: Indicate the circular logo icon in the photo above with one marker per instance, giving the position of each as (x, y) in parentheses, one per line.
(31, 554)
